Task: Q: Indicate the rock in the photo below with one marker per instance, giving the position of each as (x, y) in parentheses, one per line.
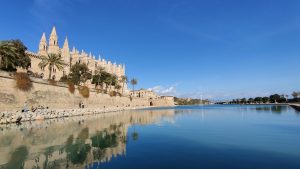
(39, 117)
(3, 121)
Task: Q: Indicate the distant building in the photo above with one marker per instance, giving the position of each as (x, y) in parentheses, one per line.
(142, 93)
(170, 98)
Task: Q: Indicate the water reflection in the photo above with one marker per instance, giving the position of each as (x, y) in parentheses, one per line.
(273, 109)
(78, 142)
(17, 158)
(213, 133)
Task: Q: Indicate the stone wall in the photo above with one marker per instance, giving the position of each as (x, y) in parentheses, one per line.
(59, 97)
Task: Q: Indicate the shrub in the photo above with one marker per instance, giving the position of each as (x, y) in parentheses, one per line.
(23, 81)
(84, 91)
(64, 78)
(71, 87)
(113, 94)
(99, 91)
(52, 82)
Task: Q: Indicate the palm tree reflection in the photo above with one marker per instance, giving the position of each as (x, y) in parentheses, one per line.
(77, 152)
(17, 158)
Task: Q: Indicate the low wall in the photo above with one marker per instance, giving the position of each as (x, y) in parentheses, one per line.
(59, 97)
(296, 106)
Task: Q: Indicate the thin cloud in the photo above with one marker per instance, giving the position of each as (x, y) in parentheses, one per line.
(190, 30)
(49, 12)
(161, 90)
(286, 28)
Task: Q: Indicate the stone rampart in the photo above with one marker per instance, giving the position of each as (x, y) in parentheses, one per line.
(58, 97)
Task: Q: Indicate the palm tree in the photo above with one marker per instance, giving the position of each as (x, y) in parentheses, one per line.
(98, 72)
(7, 53)
(123, 80)
(110, 80)
(12, 54)
(52, 60)
(133, 82)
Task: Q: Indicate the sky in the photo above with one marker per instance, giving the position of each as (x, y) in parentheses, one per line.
(216, 49)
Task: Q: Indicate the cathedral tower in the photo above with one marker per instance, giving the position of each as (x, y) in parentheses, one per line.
(65, 52)
(43, 45)
(53, 42)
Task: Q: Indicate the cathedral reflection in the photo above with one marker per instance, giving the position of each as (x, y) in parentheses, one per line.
(79, 142)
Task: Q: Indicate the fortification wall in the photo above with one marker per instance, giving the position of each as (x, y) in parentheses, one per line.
(59, 97)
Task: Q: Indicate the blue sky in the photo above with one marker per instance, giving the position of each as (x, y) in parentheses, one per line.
(219, 49)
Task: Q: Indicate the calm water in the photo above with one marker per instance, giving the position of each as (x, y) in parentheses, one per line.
(182, 137)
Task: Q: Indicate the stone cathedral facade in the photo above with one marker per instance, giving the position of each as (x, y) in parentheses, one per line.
(70, 57)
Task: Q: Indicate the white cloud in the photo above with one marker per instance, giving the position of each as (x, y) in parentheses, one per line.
(169, 90)
(156, 89)
(161, 90)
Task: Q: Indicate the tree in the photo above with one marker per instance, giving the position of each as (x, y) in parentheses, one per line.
(258, 99)
(243, 100)
(275, 98)
(79, 73)
(111, 80)
(97, 75)
(233, 101)
(282, 99)
(12, 55)
(118, 87)
(296, 94)
(52, 61)
(124, 80)
(133, 82)
(104, 77)
(250, 100)
(265, 99)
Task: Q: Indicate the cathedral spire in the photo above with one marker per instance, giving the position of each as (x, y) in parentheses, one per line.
(53, 38)
(53, 42)
(53, 32)
(65, 52)
(43, 39)
(43, 45)
(66, 43)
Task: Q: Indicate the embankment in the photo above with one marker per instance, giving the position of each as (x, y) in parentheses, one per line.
(296, 106)
(58, 97)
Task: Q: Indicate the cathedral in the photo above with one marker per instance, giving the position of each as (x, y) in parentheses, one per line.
(70, 57)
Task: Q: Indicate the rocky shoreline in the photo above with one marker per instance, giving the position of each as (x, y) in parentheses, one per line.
(8, 117)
